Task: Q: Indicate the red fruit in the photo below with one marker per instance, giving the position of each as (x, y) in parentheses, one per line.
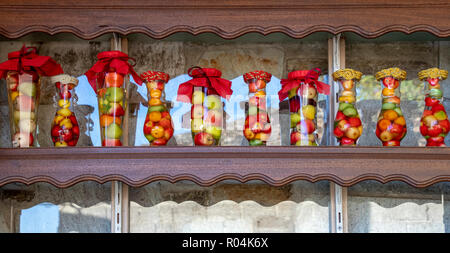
(65, 94)
(424, 130)
(203, 139)
(148, 127)
(116, 110)
(72, 142)
(427, 113)
(159, 142)
(295, 136)
(434, 130)
(165, 123)
(433, 81)
(267, 129)
(400, 136)
(431, 101)
(306, 126)
(396, 129)
(165, 114)
(168, 133)
(391, 143)
(354, 122)
(339, 116)
(436, 139)
(73, 119)
(437, 108)
(263, 117)
(294, 105)
(389, 82)
(445, 124)
(377, 132)
(56, 130)
(76, 130)
(213, 118)
(347, 141)
(111, 143)
(252, 88)
(338, 133)
(67, 135)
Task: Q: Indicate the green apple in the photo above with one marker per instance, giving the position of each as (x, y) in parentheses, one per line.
(197, 97)
(398, 111)
(292, 93)
(196, 125)
(113, 131)
(343, 106)
(27, 88)
(159, 108)
(440, 115)
(114, 94)
(350, 112)
(388, 106)
(214, 131)
(255, 142)
(149, 137)
(295, 118)
(213, 102)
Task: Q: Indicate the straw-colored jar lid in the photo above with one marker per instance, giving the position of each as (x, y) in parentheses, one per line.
(433, 73)
(396, 73)
(347, 74)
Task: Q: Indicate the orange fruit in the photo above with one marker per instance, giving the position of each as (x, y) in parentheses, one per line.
(262, 136)
(260, 93)
(154, 116)
(394, 100)
(113, 79)
(384, 124)
(155, 93)
(388, 92)
(106, 120)
(347, 84)
(157, 132)
(154, 101)
(390, 115)
(400, 121)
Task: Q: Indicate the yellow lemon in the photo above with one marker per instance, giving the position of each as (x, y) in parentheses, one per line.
(348, 99)
(64, 103)
(14, 94)
(260, 93)
(309, 111)
(64, 112)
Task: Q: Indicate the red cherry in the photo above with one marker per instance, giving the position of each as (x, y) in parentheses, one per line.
(424, 130)
(431, 101)
(56, 130)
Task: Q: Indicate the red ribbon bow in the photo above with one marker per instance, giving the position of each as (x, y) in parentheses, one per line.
(204, 77)
(107, 60)
(297, 78)
(26, 59)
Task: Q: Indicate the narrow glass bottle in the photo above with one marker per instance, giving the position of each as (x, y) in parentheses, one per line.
(391, 124)
(347, 124)
(434, 124)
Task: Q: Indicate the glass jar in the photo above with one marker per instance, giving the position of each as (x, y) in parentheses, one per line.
(434, 124)
(303, 110)
(23, 99)
(206, 116)
(65, 130)
(111, 95)
(257, 126)
(158, 127)
(391, 124)
(347, 124)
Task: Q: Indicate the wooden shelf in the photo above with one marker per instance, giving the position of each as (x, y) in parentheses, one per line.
(277, 166)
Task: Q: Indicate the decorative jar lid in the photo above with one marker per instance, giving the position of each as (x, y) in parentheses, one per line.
(258, 74)
(65, 79)
(155, 75)
(396, 73)
(433, 73)
(347, 74)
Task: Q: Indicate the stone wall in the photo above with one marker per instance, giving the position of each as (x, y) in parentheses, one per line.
(230, 206)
